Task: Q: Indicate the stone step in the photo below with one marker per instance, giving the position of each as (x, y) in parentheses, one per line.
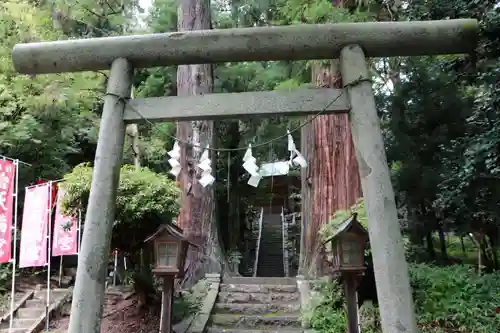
(267, 281)
(271, 238)
(36, 303)
(31, 313)
(273, 262)
(274, 252)
(258, 288)
(256, 309)
(23, 323)
(256, 298)
(269, 252)
(14, 330)
(256, 321)
(65, 281)
(54, 293)
(215, 329)
(271, 229)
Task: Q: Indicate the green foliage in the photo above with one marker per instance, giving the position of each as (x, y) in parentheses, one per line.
(182, 308)
(320, 11)
(145, 200)
(340, 216)
(456, 298)
(441, 130)
(5, 277)
(447, 299)
(189, 302)
(46, 120)
(325, 312)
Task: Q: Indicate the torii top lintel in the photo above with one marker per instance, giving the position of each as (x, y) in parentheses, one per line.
(294, 42)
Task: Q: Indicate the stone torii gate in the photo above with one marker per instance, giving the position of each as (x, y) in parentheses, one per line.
(352, 42)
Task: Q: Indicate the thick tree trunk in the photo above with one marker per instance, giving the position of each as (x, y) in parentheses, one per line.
(442, 243)
(464, 252)
(230, 226)
(430, 246)
(197, 217)
(331, 182)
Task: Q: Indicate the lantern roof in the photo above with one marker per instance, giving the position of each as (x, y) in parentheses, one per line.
(350, 225)
(172, 230)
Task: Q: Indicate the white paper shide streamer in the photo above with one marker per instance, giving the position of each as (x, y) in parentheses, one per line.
(205, 165)
(296, 158)
(175, 155)
(250, 165)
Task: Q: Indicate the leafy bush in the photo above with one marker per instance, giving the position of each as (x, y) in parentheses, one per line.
(182, 308)
(326, 312)
(5, 276)
(189, 302)
(455, 298)
(447, 299)
(145, 200)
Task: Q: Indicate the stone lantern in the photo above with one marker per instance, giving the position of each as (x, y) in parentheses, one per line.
(348, 259)
(169, 250)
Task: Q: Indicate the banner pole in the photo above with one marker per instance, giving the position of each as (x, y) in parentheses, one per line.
(114, 268)
(60, 271)
(14, 256)
(49, 256)
(79, 234)
(14, 160)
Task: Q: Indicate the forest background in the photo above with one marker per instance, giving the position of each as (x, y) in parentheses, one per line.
(439, 116)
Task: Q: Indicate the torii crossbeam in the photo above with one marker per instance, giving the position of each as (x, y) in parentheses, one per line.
(352, 42)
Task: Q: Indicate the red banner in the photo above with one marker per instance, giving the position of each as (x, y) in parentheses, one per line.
(33, 251)
(54, 191)
(7, 173)
(65, 231)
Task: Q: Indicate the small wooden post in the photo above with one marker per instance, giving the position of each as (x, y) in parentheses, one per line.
(391, 270)
(167, 304)
(350, 281)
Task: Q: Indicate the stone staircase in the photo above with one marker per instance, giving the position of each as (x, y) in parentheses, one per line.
(29, 314)
(270, 262)
(256, 305)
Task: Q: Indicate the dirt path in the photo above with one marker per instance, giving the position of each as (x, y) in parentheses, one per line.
(119, 316)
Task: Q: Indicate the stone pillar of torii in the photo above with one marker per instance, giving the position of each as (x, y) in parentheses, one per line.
(351, 42)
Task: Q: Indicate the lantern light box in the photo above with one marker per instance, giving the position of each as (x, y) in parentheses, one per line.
(348, 246)
(170, 250)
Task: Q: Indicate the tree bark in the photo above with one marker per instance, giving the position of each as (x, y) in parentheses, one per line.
(430, 246)
(331, 182)
(464, 252)
(442, 243)
(197, 217)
